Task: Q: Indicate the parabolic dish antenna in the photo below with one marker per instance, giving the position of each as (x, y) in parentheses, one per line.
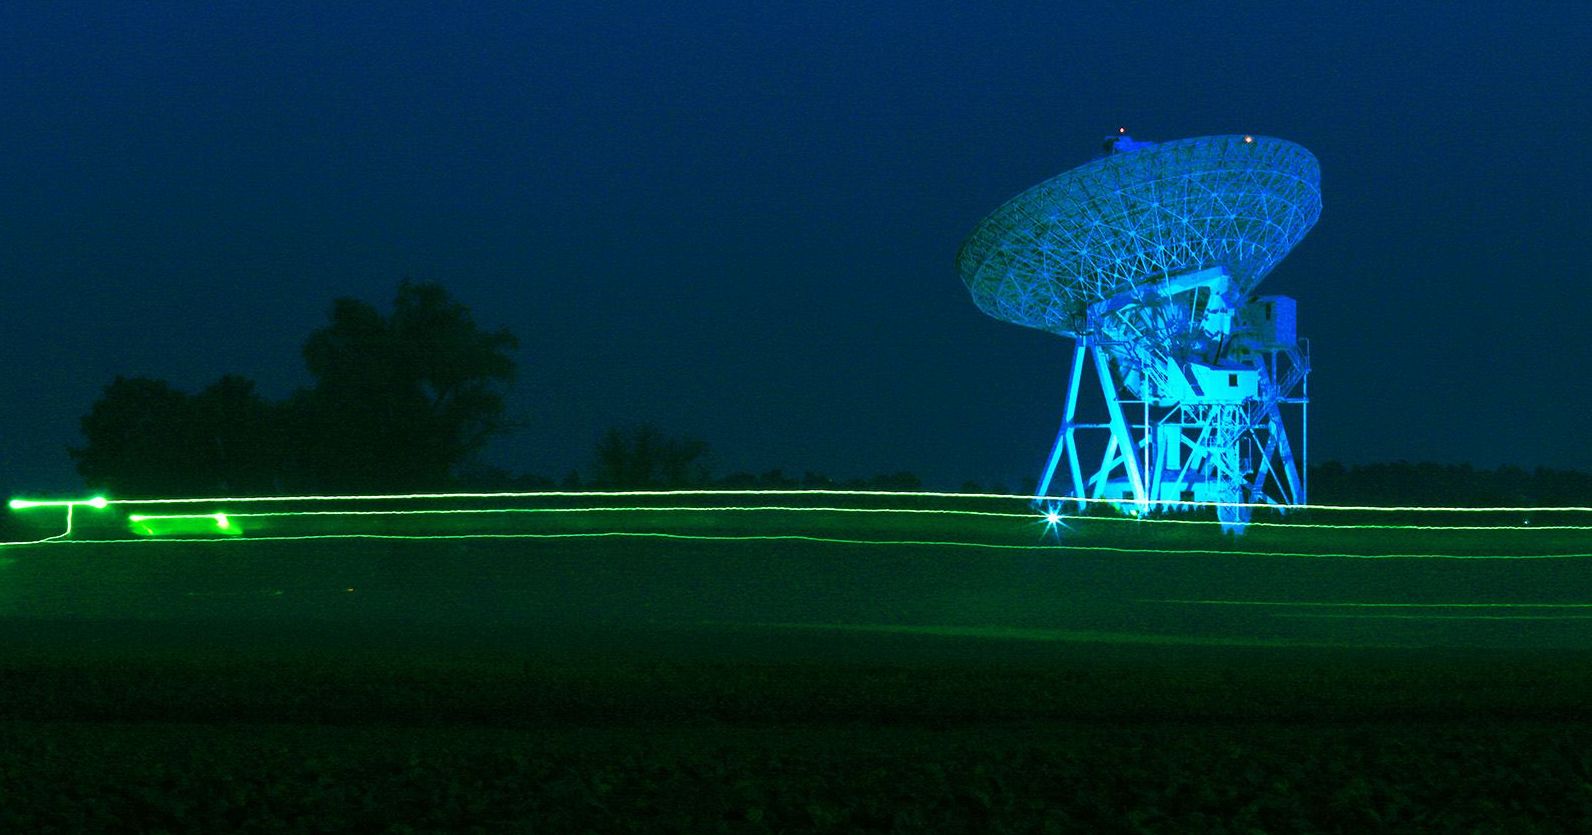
(1133, 218)
(1149, 258)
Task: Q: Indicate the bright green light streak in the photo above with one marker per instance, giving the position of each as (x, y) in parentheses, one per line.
(1051, 518)
(1292, 507)
(638, 509)
(594, 535)
(139, 517)
(563, 494)
(834, 541)
(70, 506)
(27, 504)
(1327, 525)
(816, 492)
(219, 518)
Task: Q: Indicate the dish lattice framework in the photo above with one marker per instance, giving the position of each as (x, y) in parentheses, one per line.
(1137, 217)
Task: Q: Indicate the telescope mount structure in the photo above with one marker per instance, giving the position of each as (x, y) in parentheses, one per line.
(1149, 258)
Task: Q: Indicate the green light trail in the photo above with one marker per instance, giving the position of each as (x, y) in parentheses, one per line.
(60, 537)
(826, 540)
(581, 535)
(219, 518)
(640, 509)
(1048, 518)
(1345, 507)
(1325, 525)
(27, 504)
(149, 524)
(23, 503)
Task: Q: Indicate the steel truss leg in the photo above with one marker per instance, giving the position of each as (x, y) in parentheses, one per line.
(1066, 438)
(1120, 447)
(1119, 429)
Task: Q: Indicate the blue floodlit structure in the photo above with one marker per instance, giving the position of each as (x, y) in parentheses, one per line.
(1149, 258)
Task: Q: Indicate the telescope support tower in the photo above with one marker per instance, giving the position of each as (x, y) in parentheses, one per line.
(1193, 415)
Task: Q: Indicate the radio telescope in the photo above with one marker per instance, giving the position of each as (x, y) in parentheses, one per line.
(1149, 258)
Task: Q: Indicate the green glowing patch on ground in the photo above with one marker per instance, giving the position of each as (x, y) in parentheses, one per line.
(185, 524)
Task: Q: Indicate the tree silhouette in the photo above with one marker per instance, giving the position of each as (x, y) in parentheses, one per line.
(135, 443)
(237, 439)
(399, 401)
(642, 457)
(146, 438)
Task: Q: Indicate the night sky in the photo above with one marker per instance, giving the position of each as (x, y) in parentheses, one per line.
(739, 220)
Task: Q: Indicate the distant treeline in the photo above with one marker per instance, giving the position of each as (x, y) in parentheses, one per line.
(644, 457)
(404, 401)
(1459, 485)
(623, 455)
(400, 401)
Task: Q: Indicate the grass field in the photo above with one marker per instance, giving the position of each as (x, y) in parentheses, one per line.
(1188, 682)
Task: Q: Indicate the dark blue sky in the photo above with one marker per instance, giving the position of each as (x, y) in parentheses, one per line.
(738, 220)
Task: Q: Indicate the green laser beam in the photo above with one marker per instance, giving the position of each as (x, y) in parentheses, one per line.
(639, 509)
(28, 504)
(582, 535)
(1295, 507)
(1045, 518)
(22, 503)
(831, 540)
(1326, 525)
(70, 506)
(219, 518)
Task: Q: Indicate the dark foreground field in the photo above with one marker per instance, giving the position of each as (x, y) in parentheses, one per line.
(698, 687)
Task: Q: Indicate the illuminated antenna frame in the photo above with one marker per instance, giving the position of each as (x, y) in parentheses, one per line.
(1148, 258)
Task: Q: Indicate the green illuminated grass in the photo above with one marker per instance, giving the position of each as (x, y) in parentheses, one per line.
(1006, 633)
(891, 543)
(1377, 605)
(707, 668)
(1419, 616)
(870, 518)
